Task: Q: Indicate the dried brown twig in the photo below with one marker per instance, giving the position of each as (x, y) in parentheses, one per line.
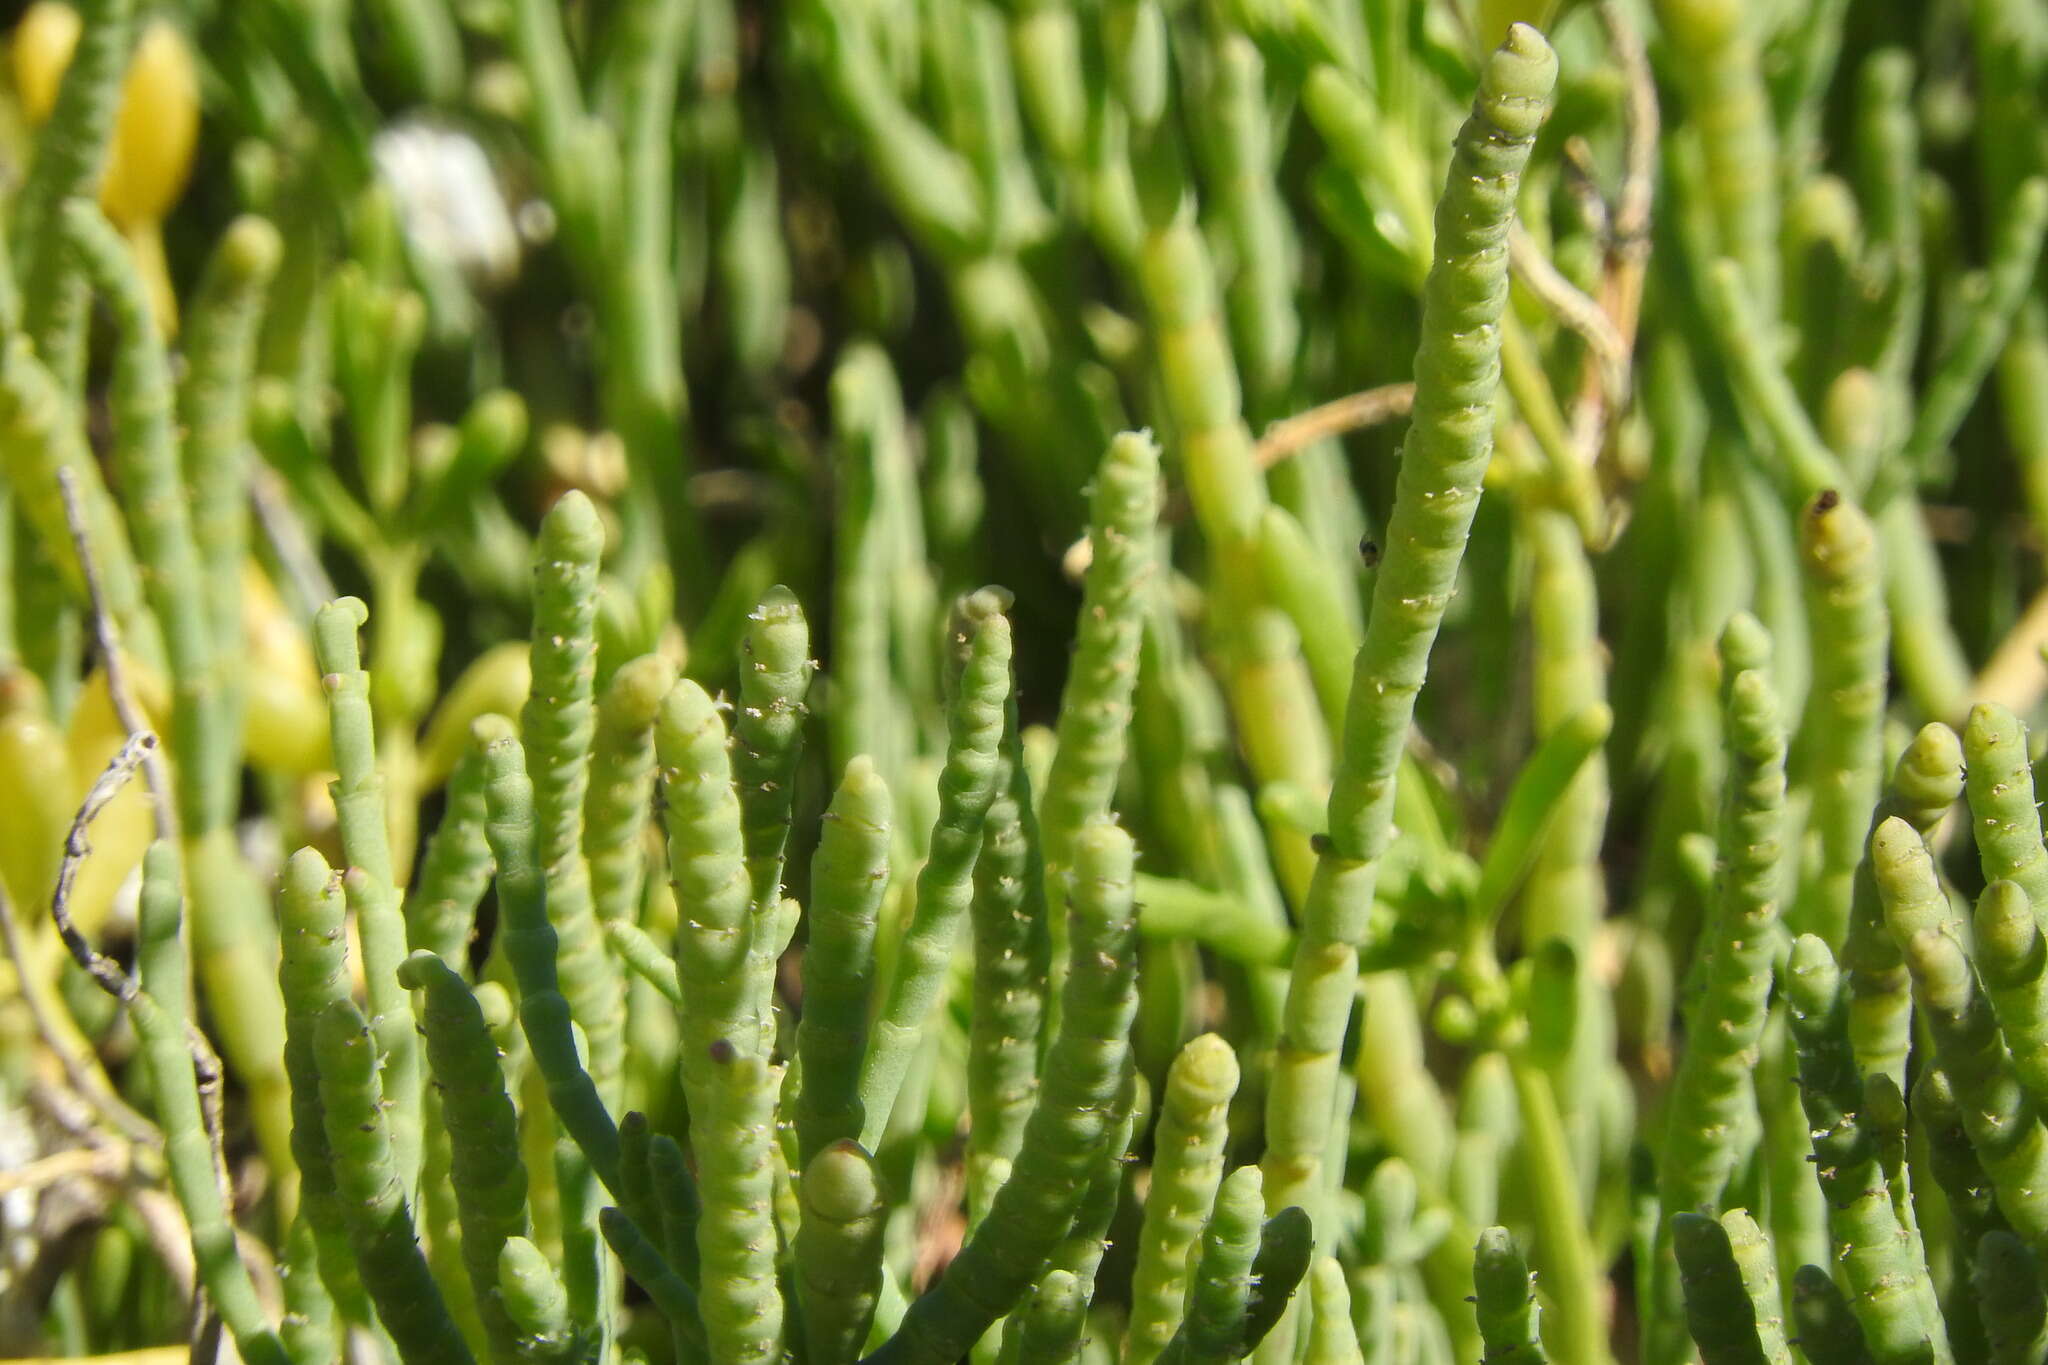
(139, 750)
(108, 636)
(1289, 435)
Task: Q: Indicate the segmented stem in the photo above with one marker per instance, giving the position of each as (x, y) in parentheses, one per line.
(1450, 441)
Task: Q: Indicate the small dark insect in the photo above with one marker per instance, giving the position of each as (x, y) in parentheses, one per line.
(1369, 551)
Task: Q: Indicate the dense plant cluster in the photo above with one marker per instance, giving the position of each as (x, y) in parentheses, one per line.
(529, 837)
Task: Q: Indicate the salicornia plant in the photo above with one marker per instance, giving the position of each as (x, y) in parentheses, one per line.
(1492, 814)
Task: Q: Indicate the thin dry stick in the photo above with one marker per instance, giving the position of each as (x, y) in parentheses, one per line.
(263, 1272)
(206, 1076)
(164, 1228)
(108, 635)
(96, 1163)
(1581, 314)
(1582, 183)
(1339, 416)
(1352, 412)
(142, 744)
(103, 969)
(286, 535)
(1603, 392)
(1628, 247)
(105, 788)
(67, 1110)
